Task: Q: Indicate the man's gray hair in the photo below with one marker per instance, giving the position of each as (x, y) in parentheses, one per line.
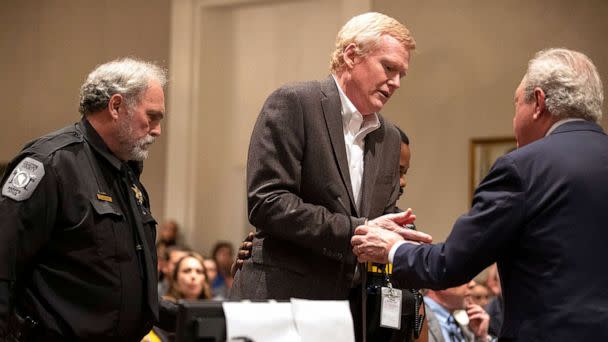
(127, 76)
(572, 85)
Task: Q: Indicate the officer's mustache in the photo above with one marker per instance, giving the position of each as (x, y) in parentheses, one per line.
(146, 141)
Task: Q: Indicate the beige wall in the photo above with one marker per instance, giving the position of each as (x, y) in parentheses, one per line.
(471, 56)
(47, 49)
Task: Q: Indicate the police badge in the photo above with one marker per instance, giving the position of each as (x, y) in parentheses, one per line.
(138, 194)
(23, 180)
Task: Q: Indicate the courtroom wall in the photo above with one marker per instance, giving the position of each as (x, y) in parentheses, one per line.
(48, 48)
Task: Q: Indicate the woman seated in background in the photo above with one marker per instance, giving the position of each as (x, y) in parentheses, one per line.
(189, 279)
(188, 282)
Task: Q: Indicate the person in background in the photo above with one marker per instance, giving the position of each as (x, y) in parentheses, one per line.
(493, 281)
(452, 317)
(495, 307)
(539, 213)
(189, 279)
(211, 268)
(172, 255)
(167, 236)
(405, 155)
(160, 256)
(222, 254)
(480, 294)
(212, 272)
(168, 233)
(412, 310)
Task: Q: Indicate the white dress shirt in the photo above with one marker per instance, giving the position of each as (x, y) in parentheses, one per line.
(356, 127)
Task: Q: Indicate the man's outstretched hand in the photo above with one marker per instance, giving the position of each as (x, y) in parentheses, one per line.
(394, 222)
(373, 242)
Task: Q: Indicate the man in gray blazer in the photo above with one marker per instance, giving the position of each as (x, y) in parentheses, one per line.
(446, 324)
(321, 162)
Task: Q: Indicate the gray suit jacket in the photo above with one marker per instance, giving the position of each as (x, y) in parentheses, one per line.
(300, 198)
(435, 334)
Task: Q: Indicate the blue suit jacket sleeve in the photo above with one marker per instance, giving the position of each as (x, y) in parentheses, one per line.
(478, 238)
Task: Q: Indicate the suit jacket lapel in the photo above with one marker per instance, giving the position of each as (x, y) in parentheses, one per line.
(332, 109)
(433, 326)
(370, 170)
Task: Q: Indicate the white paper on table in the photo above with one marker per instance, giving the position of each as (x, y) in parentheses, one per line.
(260, 322)
(323, 320)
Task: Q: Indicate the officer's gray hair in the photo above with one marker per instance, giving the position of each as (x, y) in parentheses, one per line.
(127, 76)
(571, 83)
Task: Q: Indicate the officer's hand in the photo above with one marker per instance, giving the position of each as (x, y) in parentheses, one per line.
(243, 254)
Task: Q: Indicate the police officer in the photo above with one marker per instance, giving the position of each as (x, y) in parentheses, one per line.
(378, 276)
(77, 255)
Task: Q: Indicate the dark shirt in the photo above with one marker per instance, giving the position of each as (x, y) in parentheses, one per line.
(82, 261)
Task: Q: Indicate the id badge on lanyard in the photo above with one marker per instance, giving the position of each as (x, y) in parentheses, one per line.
(390, 306)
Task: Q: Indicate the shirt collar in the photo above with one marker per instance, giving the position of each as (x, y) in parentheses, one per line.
(97, 143)
(440, 312)
(350, 115)
(561, 122)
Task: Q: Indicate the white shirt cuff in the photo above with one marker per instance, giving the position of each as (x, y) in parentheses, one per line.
(391, 254)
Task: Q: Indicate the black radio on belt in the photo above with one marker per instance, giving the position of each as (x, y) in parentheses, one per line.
(23, 329)
(378, 276)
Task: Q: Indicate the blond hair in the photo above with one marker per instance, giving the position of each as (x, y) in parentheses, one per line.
(365, 31)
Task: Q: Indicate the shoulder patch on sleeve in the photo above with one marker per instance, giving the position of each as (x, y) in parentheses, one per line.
(23, 180)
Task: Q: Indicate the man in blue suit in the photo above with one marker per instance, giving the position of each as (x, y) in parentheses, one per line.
(541, 213)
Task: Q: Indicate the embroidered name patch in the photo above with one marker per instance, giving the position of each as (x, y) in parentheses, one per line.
(23, 180)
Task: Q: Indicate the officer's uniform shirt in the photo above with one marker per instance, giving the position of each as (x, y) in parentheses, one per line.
(82, 234)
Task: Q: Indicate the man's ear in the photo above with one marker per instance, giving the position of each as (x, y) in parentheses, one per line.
(541, 106)
(349, 54)
(116, 101)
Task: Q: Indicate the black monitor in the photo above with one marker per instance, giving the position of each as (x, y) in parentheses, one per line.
(200, 321)
(204, 321)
